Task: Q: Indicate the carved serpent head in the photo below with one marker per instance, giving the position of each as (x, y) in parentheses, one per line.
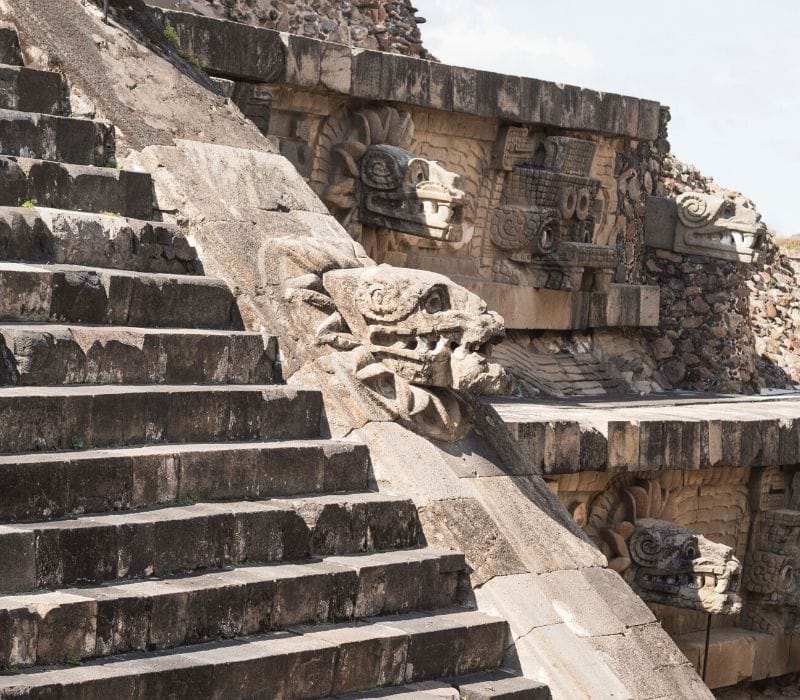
(664, 562)
(718, 227)
(377, 181)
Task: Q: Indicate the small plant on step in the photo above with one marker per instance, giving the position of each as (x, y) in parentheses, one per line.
(171, 34)
(76, 442)
(29, 204)
(71, 660)
(191, 58)
(111, 163)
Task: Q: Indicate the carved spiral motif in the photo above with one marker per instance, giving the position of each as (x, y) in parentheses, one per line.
(694, 210)
(645, 547)
(516, 229)
(380, 170)
(508, 229)
(765, 573)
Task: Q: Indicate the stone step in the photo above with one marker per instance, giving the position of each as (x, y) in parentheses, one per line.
(52, 138)
(489, 685)
(668, 431)
(64, 237)
(39, 486)
(314, 663)
(10, 53)
(186, 538)
(75, 294)
(32, 182)
(500, 684)
(29, 90)
(84, 417)
(51, 354)
(82, 623)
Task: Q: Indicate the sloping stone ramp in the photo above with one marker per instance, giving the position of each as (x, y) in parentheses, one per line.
(171, 523)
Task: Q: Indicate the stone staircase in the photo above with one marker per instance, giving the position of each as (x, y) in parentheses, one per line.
(171, 523)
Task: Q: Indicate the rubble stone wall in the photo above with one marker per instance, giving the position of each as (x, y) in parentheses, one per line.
(384, 25)
(724, 326)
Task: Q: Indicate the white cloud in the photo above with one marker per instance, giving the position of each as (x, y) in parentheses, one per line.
(477, 36)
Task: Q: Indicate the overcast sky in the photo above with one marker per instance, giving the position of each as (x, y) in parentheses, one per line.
(729, 70)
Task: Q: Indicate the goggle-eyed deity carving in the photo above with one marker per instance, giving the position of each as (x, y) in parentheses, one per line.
(772, 571)
(544, 223)
(663, 562)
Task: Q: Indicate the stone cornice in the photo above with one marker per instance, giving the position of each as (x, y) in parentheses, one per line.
(242, 52)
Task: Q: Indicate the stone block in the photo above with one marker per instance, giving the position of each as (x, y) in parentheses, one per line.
(551, 102)
(18, 551)
(661, 220)
(214, 612)
(630, 116)
(562, 447)
(389, 583)
(65, 631)
(303, 61)
(78, 141)
(384, 76)
(649, 112)
(500, 685)
(368, 656)
(520, 600)
(465, 91)
(449, 644)
(18, 634)
(336, 68)
(498, 95)
(530, 109)
(549, 653)
(126, 622)
(441, 86)
(230, 49)
(274, 666)
(10, 53)
(572, 103)
(29, 90)
(623, 445)
(367, 75)
(615, 594)
(30, 491)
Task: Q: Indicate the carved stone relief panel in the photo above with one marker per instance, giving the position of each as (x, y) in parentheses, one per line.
(393, 344)
(377, 187)
(648, 528)
(696, 223)
(523, 216)
(772, 573)
(543, 229)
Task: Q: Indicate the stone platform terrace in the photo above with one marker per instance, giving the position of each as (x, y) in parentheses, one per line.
(679, 430)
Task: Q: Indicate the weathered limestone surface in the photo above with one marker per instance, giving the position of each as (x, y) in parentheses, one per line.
(676, 431)
(57, 236)
(149, 99)
(503, 516)
(170, 519)
(376, 75)
(386, 25)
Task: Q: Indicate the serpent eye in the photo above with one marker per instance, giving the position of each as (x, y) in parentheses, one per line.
(418, 171)
(436, 302)
(691, 550)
